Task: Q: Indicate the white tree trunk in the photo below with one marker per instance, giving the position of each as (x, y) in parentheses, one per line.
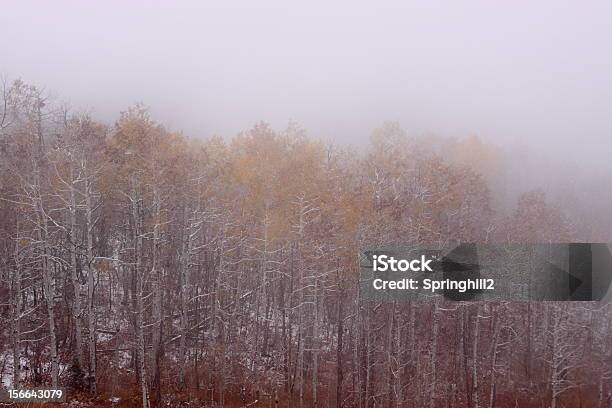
(16, 316)
(555, 369)
(91, 314)
(76, 285)
(475, 340)
(49, 288)
(434, 353)
(492, 368)
(183, 288)
(140, 340)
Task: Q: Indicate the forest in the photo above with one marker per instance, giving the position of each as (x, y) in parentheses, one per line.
(140, 267)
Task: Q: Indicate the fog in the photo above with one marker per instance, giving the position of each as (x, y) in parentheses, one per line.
(518, 74)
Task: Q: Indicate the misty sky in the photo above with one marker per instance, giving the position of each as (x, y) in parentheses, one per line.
(540, 73)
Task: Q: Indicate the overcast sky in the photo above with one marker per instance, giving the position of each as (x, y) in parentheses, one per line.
(541, 73)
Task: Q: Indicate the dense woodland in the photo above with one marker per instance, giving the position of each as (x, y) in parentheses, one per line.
(142, 268)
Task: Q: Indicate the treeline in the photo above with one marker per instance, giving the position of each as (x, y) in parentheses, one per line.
(146, 268)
